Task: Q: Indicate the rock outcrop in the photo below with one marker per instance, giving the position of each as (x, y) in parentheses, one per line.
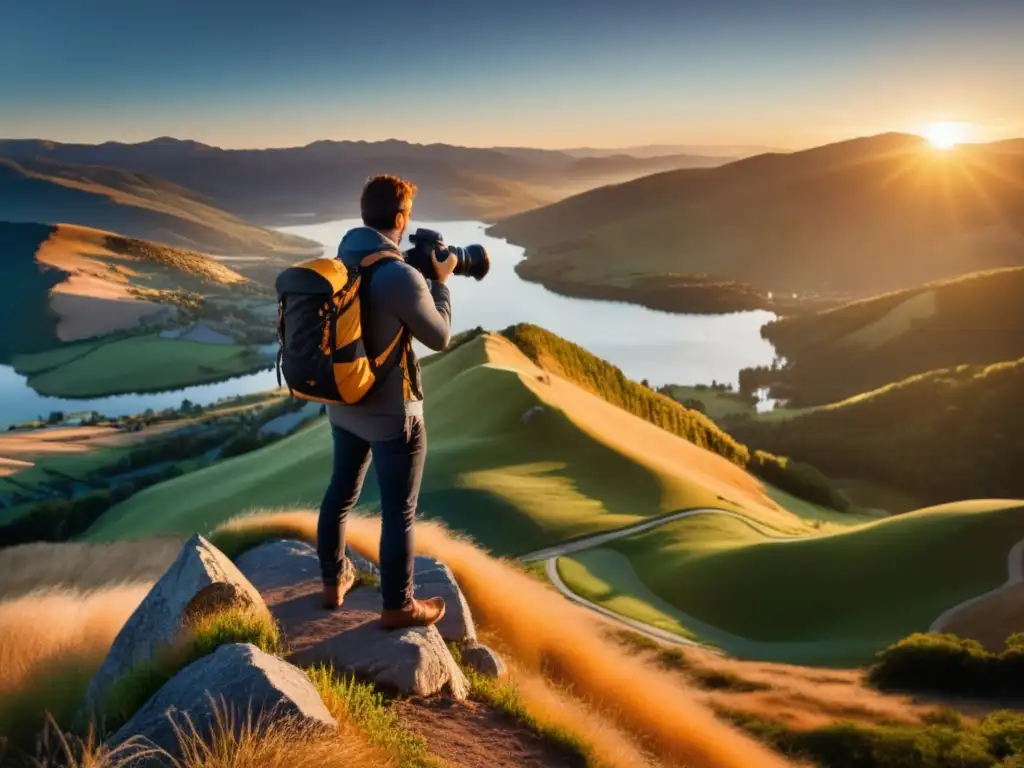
(201, 580)
(279, 563)
(235, 685)
(414, 661)
(435, 579)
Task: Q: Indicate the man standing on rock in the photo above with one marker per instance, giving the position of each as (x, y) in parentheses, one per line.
(388, 422)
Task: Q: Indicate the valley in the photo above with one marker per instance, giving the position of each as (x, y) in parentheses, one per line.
(764, 505)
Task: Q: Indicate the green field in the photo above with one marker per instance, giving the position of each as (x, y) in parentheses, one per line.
(831, 600)
(135, 364)
(513, 485)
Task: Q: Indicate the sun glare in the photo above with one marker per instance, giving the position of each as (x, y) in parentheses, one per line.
(945, 135)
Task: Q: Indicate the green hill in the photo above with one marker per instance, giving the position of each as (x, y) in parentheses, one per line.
(829, 600)
(945, 435)
(519, 459)
(98, 313)
(138, 205)
(831, 355)
(839, 221)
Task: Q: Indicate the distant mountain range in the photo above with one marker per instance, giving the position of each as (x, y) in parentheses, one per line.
(46, 190)
(843, 220)
(726, 151)
(322, 180)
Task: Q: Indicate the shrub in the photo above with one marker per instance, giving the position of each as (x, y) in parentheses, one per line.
(948, 664)
(930, 745)
(799, 478)
(57, 520)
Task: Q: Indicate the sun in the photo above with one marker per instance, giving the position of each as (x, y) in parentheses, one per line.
(945, 135)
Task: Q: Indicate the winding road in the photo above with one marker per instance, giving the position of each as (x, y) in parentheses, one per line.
(1015, 569)
(551, 554)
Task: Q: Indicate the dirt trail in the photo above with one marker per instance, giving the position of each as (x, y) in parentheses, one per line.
(466, 734)
(473, 735)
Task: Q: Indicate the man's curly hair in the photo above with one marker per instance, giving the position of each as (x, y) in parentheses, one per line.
(383, 198)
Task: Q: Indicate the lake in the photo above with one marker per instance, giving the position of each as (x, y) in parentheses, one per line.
(658, 346)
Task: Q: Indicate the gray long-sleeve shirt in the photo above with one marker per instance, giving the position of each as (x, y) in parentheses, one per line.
(399, 296)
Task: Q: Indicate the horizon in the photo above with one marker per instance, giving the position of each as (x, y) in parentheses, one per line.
(923, 134)
(795, 75)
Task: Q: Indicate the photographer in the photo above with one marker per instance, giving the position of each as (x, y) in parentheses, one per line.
(388, 422)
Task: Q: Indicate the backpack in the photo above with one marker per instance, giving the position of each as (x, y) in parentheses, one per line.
(322, 331)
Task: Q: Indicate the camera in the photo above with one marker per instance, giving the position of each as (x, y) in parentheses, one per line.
(471, 261)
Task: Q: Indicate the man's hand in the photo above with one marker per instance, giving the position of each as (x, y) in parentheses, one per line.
(443, 269)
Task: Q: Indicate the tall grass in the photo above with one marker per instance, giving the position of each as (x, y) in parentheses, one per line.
(550, 637)
(51, 643)
(234, 741)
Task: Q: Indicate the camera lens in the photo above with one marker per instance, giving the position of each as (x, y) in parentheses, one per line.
(472, 261)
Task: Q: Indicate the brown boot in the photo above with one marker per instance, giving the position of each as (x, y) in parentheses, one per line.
(420, 613)
(334, 594)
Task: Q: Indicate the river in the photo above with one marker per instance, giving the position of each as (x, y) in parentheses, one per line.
(658, 346)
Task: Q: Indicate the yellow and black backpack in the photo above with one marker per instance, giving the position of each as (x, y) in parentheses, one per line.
(322, 332)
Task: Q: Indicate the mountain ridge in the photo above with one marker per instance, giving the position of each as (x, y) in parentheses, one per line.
(890, 211)
(323, 178)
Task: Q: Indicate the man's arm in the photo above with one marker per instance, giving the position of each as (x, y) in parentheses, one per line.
(426, 310)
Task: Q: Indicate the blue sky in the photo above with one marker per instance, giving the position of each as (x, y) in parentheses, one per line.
(550, 73)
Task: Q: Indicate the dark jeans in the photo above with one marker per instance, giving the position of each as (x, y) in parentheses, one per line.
(399, 466)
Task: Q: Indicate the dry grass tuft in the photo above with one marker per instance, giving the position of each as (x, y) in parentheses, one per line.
(235, 741)
(549, 636)
(51, 643)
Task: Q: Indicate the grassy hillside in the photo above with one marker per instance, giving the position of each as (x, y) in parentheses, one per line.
(830, 600)
(518, 459)
(950, 434)
(593, 374)
(323, 179)
(849, 219)
(138, 205)
(831, 355)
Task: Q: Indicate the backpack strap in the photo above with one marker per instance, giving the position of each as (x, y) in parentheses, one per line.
(400, 349)
(395, 352)
(280, 345)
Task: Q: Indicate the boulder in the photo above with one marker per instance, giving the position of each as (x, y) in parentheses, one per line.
(414, 661)
(202, 579)
(435, 579)
(277, 564)
(484, 660)
(235, 684)
(285, 561)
